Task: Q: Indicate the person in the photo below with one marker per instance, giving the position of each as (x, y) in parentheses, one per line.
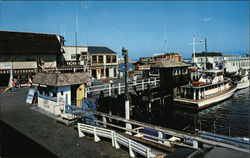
(14, 86)
(29, 82)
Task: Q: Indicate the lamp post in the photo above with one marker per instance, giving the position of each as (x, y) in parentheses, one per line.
(127, 113)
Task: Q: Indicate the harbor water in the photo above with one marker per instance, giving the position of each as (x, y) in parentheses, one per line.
(230, 117)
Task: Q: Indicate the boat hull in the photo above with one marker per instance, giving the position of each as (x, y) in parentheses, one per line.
(242, 85)
(203, 103)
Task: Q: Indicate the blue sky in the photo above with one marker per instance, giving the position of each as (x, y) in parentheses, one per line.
(139, 26)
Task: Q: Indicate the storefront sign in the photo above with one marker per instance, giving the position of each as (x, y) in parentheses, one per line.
(5, 65)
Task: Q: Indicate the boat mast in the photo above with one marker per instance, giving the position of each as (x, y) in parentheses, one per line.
(206, 52)
(193, 47)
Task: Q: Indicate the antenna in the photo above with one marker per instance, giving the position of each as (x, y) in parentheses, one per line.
(86, 4)
(165, 39)
(76, 32)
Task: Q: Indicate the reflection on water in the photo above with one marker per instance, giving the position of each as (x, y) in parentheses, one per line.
(233, 112)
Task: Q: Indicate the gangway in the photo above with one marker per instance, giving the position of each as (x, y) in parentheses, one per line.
(197, 140)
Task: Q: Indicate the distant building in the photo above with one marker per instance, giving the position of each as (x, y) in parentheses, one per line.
(22, 54)
(232, 63)
(213, 59)
(103, 62)
(170, 56)
(99, 61)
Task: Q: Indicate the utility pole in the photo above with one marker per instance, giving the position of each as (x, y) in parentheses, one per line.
(127, 112)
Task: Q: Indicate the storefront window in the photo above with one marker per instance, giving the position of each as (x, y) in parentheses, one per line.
(94, 59)
(108, 59)
(114, 59)
(100, 59)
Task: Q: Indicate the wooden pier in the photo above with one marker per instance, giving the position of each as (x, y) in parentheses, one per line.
(119, 88)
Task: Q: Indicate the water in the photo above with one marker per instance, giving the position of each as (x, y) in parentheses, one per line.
(230, 117)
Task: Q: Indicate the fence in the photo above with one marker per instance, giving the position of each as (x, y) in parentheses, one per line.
(116, 140)
(120, 87)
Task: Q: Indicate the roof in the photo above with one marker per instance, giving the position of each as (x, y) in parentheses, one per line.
(209, 54)
(168, 64)
(62, 79)
(28, 43)
(100, 50)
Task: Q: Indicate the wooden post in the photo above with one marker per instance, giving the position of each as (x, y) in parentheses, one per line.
(127, 109)
(119, 88)
(142, 84)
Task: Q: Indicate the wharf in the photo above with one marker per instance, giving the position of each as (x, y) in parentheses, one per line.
(57, 138)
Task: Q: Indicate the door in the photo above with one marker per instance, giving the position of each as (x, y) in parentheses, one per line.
(79, 95)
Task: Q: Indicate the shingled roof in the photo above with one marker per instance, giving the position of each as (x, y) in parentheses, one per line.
(28, 43)
(62, 79)
(168, 64)
(100, 50)
(208, 54)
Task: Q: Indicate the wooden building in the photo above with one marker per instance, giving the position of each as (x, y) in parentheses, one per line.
(172, 74)
(21, 51)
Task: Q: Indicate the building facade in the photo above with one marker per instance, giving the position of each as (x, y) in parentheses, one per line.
(99, 61)
(23, 54)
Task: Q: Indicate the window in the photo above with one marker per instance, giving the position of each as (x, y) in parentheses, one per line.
(100, 59)
(94, 59)
(113, 58)
(73, 56)
(108, 59)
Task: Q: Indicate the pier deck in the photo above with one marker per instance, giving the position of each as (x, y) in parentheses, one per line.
(57, 138)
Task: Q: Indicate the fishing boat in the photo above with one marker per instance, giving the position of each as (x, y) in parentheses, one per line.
(211, 88)
(242, 80)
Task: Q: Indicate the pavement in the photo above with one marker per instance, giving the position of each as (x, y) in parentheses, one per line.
(58, 139)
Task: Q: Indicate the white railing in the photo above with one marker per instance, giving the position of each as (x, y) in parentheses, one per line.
(116, 139)
(108, 88)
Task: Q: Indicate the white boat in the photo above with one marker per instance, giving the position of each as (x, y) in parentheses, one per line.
(211, 88)
(243, 80)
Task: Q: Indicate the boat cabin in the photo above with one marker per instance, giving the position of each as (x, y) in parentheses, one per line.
(56, 89)
(210, 82)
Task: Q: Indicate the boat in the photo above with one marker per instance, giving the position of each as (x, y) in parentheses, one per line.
(211, 88)
(242, 80)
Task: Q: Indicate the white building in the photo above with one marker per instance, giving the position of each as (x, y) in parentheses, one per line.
(57, 89)
(214, 59)
(232, 63)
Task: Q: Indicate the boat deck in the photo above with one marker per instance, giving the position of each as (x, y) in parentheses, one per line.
(207, 97)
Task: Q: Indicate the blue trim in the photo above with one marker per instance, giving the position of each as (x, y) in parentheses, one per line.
(47, 97)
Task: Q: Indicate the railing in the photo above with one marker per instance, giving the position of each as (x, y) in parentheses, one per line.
(118, 123)
(219, 128)
(47, 97)
(120, 87)
(116, 140)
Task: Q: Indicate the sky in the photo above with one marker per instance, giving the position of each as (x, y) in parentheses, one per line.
(144, 28)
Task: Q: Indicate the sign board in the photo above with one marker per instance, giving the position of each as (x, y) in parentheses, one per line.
(5, 65)
(30, 96)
